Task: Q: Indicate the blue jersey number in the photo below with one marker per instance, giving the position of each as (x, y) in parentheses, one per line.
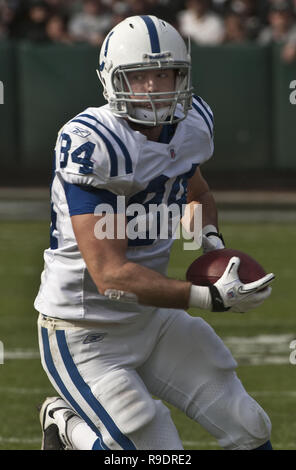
(65, 147)
(81, 155)
(156, 193)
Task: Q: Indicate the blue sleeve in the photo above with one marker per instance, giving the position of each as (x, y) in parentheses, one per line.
(84, 199)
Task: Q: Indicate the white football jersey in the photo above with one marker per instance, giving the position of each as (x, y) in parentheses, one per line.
(98, 157)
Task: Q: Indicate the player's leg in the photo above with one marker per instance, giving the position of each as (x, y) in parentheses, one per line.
(55, 419)
(192, 369)
(106, 393)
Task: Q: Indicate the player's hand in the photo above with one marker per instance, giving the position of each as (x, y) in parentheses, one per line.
(229, 293)
(211, 239)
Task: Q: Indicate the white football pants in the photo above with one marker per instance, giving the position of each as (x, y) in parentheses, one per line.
(108, 372)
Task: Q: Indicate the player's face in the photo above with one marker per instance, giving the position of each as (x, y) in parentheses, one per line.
(152, 81)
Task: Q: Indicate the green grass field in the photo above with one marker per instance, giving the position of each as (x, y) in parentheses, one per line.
(272, 381)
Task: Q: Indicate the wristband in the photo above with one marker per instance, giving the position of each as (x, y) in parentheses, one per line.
(200, 297)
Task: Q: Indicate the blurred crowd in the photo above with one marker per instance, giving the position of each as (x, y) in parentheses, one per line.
(207, 22)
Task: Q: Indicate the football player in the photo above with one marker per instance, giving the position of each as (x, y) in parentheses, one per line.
(113, 328)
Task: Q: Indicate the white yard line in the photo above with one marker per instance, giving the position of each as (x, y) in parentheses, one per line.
(25, 391)
(253, 350)
(20, 440)
(21, 354)
(261, 349)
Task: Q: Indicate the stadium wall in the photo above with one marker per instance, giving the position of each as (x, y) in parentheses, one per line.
(9, 122)
(247, 86)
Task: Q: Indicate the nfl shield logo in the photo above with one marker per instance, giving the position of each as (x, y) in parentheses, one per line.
(172, 153)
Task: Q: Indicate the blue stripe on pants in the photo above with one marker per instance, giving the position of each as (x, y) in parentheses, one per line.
(88, 396)
(55, 375)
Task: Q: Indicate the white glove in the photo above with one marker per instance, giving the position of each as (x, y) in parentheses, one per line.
(229, 293)
(211, 239)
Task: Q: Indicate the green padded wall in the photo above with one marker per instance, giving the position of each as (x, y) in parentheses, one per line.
(247, 87)
(57, 82)
(9, 139)
(284, 112)
(235, 83)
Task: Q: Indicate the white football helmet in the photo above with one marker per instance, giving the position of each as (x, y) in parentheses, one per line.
(139, 43)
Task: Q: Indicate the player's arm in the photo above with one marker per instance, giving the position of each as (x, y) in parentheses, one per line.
(106, 258)
(110, 269)
(198, 192)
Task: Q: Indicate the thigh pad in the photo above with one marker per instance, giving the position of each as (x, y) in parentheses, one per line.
(126, 399)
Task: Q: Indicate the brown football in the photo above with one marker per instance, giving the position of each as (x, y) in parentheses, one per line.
(208, 268)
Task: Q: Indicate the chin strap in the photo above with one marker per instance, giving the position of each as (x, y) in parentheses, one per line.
(149, 116)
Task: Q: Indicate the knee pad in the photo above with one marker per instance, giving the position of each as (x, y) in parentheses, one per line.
(248, 424)
(253, 418)
(158, 434)
(126, 399)
(234, 418)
